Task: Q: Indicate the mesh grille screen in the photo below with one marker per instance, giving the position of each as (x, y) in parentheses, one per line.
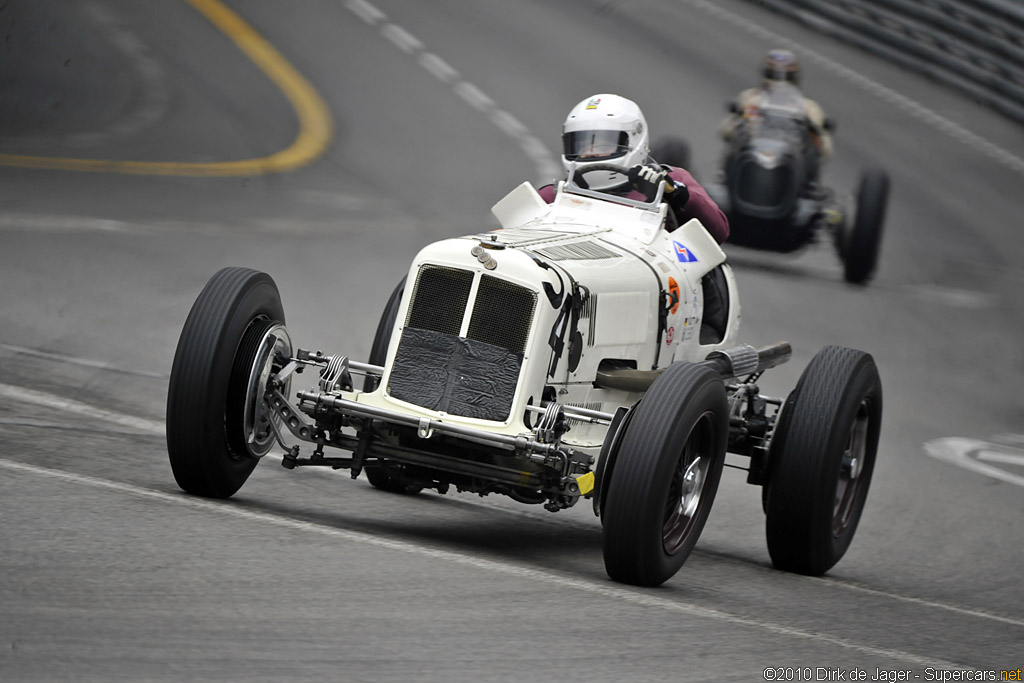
(439, 301)
(502, 314)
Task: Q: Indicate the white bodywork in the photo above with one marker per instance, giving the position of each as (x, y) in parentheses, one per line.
(626, 260)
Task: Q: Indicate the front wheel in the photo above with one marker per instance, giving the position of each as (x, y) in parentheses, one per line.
(666, 474)
(862, 242)
(216, 430)
(821, 461)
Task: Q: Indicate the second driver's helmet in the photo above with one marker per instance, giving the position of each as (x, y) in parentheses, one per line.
(605, 129)
(781, 65)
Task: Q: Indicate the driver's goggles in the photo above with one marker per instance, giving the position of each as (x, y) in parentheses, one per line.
(594, 144)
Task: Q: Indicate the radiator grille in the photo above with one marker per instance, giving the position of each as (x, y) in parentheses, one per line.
(439, 300)
(769, 188)
(502, 314)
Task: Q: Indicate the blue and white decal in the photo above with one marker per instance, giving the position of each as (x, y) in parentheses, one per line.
(683, 254)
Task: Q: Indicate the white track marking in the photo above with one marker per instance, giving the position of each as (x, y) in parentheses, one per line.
(40, 223)
(365, 11)
(140, 424)
(621, 594)
(74, 360)
(838, 583)
(980, 614)
(958, 450)
(961, 298)
(45, 400)
(545, 165)
(474, 96)
(405, 41)
(440, 69)
(1001, 457)
(901, 102)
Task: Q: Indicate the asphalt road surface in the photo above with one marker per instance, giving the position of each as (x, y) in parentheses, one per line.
(145, 145)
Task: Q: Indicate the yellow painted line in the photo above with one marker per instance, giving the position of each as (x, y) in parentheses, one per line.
(315, 128)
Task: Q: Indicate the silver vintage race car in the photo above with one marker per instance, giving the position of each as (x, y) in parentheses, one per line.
(574, 353)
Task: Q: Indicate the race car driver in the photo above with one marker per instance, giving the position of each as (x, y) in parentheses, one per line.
(781, 80)
(608, 128)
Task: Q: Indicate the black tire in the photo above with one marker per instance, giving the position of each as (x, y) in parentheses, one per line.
(382, 337)
(862, 242)
(672, 151)
(206, 396)
(650, 527)
(383, 477)
(815, 493)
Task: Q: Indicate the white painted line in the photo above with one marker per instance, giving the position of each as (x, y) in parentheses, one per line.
(405, 41)
(74, 360)
(365, 11)
(612, 592)
(957, 450)
(440, 69)
(894, 98)
(980, 614)
(509, 124)
(961, 298)
(39, 223)
(1001, 457)
(546, 166)
(59, 403)
(474, 96)
(45, 400)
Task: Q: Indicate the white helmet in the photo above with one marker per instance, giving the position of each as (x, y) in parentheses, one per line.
(605, 129)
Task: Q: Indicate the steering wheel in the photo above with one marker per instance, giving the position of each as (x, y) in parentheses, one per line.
(671, 223)
(577, 176)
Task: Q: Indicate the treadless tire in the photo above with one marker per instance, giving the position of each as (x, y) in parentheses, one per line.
(861, 246)
(666, 474)
(822, 457)
(206, 440)
(381, 477)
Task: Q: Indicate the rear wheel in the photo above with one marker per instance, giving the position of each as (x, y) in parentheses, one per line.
(864, 237)
(822, 457)
(666, 474)
(386, 477)
(215, 429)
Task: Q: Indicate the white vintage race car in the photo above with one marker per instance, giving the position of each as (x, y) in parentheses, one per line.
(574, 353)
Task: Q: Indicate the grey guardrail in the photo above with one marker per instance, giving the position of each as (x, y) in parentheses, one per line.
(974, 45)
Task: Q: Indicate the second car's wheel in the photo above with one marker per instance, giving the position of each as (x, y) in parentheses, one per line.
(214, 434)
(385, 477)
(672, 151)
(863, 239)
(667, 469)
(821, 460)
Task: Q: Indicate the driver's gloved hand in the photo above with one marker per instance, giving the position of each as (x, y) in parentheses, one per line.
(645, 179)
